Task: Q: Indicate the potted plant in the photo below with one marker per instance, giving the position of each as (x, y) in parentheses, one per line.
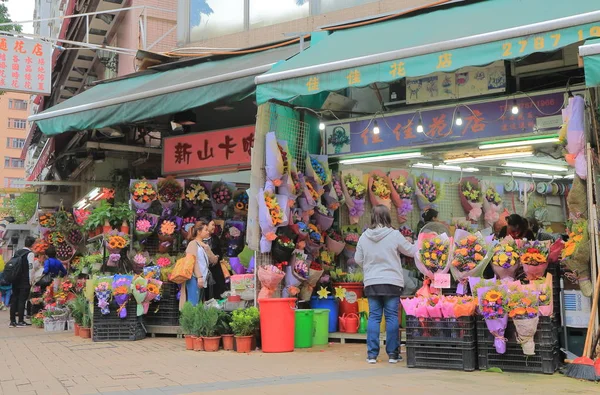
(210, 326)
(198, 327)
(85, 331)
(244, 324)
(225, 330)
(120, 216)
(78, 307)
(96, 220)
(186, 321)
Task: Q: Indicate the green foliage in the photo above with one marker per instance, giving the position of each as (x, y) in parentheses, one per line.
(224, 325)
(78, 308)
(86, 321)
(23, 207)
(119, 213)
(210, 321)
(187, 319)
(105, 212)
(245, 321)
(5, 18)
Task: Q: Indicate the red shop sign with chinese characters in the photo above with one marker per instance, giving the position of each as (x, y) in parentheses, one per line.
(25, 65)
(227, 149)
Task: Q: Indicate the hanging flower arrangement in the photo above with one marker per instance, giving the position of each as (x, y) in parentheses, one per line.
(143, 193)
(317, 166)
(492, 203)
(277, 159)
(402, 191)
(272, 210)
(428, 192)
(354, 191)
(380, 191)
(471, 198)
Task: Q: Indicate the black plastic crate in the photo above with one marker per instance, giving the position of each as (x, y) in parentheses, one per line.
(114, 307)
(546, 334)
(441, 355)
(545, 360)
(166, 311)
(461, 330)
(131, 330)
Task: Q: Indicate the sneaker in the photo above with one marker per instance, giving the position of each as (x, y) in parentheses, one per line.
(395, 359)
(371, 361)
(23, 324)
(12, 325)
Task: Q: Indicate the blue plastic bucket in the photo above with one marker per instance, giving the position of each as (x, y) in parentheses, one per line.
(330, 304)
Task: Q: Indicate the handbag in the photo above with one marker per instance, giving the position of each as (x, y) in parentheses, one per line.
(183, 270)
(45, 281)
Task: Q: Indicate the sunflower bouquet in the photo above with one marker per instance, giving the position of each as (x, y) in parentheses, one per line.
(309, 197)
(241, 201)
(402, 192)
(277, 159)
(534, 258)
(170, 192)
(492, 203)
(143, 193)
(506, 260)
(115, 241)
(317, 166)
(493, 306)
(428, 192)
(273, 213)
(354, 190)
(47, 219)
(523, 309)
(152, 292)
(472, 253)
(121, 287)
(471, 197)
(380, 190)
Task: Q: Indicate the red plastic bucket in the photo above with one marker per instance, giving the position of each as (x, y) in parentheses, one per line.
(354, 291)
(277, 324)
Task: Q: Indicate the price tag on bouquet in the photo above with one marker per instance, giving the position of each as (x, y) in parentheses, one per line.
(441, 280)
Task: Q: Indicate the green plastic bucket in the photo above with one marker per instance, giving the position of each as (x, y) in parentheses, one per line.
(321, 323)
(305, 327)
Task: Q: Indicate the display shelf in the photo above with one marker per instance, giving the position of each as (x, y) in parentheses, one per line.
(342, 337)
(154, 330)
(95, 238)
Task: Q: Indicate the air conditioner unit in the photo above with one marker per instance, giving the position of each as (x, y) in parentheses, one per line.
(543, 61)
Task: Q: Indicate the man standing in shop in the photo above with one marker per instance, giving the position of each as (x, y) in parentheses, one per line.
(21, 285)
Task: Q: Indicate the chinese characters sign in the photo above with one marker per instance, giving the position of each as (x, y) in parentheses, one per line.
(205, 152)
(25, 65)
(484, 121)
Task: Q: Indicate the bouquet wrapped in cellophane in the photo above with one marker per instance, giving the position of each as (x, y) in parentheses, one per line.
(471, 197)
(139, 289)
(103, 292)
(380, 190)
(354, 189)
(523, 309)
(493, 307)
(309, 197)
(472, 253)
(143, 193)
(153, 292)
(506, 260)
(576, 254)
(121, 287)
(429, 192)
(492, 203)
(434, 254)
(402, 192)
(269, 276)
(534, 257)
(170, 191)
(277, 159)
(273, 213)
(317, 166)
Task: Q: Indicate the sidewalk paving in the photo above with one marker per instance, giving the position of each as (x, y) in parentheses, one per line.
(35, 362)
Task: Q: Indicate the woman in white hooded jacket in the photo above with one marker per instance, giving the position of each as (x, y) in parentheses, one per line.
(378, 252)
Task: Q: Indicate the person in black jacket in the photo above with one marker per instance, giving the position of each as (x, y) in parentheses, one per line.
(216, 289)
(21, 285)
(517, 228)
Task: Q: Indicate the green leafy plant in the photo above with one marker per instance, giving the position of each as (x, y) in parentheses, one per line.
(99, 215)
(78, 308)
(187, 319)
(210, 321)
(245, 321)
(86, 320)
(224, 324)
(119, 213)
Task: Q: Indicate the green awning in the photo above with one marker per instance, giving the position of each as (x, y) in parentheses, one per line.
(468, 34)
(151, 95)
(590, 52)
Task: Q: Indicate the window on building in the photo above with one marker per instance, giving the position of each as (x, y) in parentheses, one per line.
(11, 182)
(267, 12)
(213, 18)
(15, 123)
(12, 142)
(325, 6)
(16, 104)
(13, 163)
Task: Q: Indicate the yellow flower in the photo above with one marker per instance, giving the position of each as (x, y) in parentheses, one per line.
(492, 296)
(426, 244)
(427, 255)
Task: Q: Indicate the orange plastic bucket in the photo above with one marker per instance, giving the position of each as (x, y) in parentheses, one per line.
(354, 291)
(277, 324)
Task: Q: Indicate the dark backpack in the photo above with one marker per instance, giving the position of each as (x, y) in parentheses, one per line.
(14, 267)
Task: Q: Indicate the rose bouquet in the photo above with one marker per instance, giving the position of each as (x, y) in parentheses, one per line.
(576, 254)
(270, 277)
(402, 192)
(144, 226)
(143, 193)
(315, 271)
(472, 253)
(380, 190)
(282, 249)
(103, 292)
(505, 261)
(170, 192)
(492, 203)
(163, 260)
(187, 224)
(221, 193)
(471, 197)
(354, 190)
(81, 215)
(351, 236)
(335, 242)
(140, 260)
(493, 307)
(428, 192)
(534, 258)
(523, 308)
(64, 251)
(153, 292)
(74, 237)
(317, 167)
(407, 233)
(139, 289)
(277, 159)
(273, 213)
(121, 287)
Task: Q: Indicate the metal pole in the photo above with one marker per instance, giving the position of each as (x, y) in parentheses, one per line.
(162, 37)
(87, 29)
(145, 27)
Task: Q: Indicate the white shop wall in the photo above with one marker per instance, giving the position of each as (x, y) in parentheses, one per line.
(449, 206)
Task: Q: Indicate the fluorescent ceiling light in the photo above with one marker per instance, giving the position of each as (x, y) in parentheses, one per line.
(382, 158)
(94, 193)
(569, 177)
(530, 175)
(521, 143)
(445, 167)
(486, 158)
(534, 166)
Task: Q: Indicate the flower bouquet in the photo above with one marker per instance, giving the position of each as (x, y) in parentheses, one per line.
(46, 219)
(330, 198)
(315, 240)
(543, 288)
(380, 190)
(336, 186)
(103, 292)
(505, 261)
(139, 259)
(402, 192)
(221, 193)
(74, 237)
(240, 203)
(64, 251)
(40, 246)
(300, 229)
(81, 215)
(354, 190)
(351, 236)
(335, 242)
(121, 287)
(187, 224)
(472, 253)
(282, 249)
(492, 203)
(152, 272)
(470, 197)
(143, 193)
(428, 192)
(534, 258)
(195, 193)
(323, 217)
(493, 307)
(315, 271)
(433, 256)
(54, 237)
(574, 117)
(576, 254)
(295, 274)
(269, 276)
(139, 289)
(308, 198)
(115, 241)
(522, 307)
(407, 233)
(166, 234)
(144, 226)
(290, 184)
(153, 292)
(163, 260)
(317, 167)
(170, 192)
(277, 159)
(273, 213)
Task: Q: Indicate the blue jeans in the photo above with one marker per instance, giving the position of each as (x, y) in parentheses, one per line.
(377, 307)
(6, 297)
(193, 293)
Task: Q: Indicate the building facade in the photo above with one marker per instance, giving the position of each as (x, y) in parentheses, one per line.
(13, 129)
